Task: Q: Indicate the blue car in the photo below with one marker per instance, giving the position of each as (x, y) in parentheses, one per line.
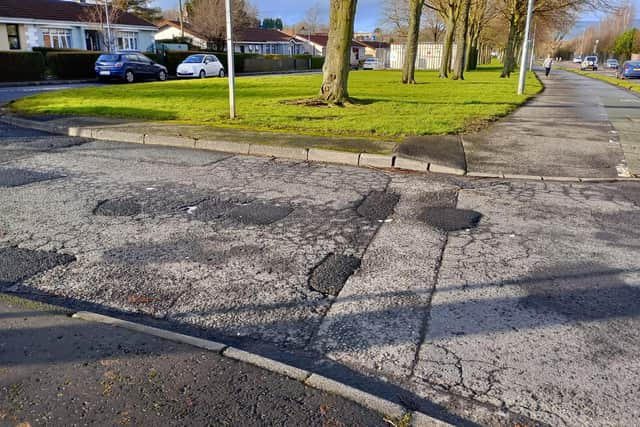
(629, 70)
(130, 66)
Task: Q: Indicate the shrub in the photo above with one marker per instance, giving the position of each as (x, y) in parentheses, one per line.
(317, 62)
(21, 66)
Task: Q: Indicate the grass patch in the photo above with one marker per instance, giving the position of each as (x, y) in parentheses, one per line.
(383, 107)
(627, 84)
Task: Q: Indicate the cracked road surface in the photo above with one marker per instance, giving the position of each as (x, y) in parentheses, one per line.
(526, 310)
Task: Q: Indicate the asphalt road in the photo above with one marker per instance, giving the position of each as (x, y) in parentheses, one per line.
(478, 301)
(10, 93)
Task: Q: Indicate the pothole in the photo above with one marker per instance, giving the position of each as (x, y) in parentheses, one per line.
(450, 219)
(330, 275)
(17, 264)
(259, 213)
(378, 205)
(12, 177)
(124, 207)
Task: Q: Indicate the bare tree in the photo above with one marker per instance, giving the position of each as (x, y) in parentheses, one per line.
(206, 18)
(411, 49)
(337, 62)
(314, 18)
(97, 13)
(461, 40)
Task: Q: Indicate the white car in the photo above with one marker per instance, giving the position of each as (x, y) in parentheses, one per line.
(371, 64)
(200, 65)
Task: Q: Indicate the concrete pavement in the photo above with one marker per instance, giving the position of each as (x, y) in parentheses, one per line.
(577, 127)
(475, 301)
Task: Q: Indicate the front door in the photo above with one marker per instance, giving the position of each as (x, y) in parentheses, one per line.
(92, 40)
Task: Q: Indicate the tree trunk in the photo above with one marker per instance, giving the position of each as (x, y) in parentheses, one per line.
(337, 62)
(472, 52)
(461, 41)
(509, 55)
(445, 63)
(409, 66)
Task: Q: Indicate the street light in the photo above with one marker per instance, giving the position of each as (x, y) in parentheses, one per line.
(106, 11)
(230, 65)
(525, 49)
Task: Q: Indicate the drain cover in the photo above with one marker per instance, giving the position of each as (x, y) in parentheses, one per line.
(11, 177)
(18, 264)
(450, 219)
(378, 205)
(330, 275)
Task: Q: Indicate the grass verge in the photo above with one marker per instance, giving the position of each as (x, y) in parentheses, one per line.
(382, 106)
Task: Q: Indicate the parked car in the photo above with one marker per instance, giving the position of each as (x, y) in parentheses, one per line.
(130, 66)
(629, 70)
(612, 64)
(201, 66)
(371, 64)
(589, 63)
(577, 60)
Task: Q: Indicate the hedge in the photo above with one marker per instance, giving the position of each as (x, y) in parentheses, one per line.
(72, 65)
(21, 66)
(249, 63)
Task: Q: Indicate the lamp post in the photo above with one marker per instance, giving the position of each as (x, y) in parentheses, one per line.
(533, 47)
(230, 65)
(106, 12)
(180, 17)
(525, 50)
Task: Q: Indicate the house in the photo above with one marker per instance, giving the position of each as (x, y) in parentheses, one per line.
(316, 45)
(267, 42)
(376, 49)
(25, 24)
(251, 40)
(170, 29)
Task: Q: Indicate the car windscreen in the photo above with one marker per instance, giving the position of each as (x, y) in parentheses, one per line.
(590, 58)
(108, 58)
(633, 64)
(193, 59)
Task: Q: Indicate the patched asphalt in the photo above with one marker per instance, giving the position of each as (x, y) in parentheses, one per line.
(378, 205)
(18, 264)
(14, 177)
(329, 276)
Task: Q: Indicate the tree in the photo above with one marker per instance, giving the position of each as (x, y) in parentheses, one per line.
(206, 18)
(449, 10)
(411, 49)
(337, 62)
(461, 40)
(313, 18)
(96, 13)
(627, 43)
(143, 9)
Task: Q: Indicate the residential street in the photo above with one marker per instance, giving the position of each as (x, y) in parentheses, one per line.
(9, 93)
(477, 301)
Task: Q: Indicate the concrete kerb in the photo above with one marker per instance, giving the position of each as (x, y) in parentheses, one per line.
(319, 382)
(305, 154)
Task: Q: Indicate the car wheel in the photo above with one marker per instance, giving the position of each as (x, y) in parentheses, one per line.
(202, 74)
(129, 77)
(162, 76)
(221, 73)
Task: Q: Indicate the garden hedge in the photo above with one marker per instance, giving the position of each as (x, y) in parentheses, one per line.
(21, 66)
(72, 65)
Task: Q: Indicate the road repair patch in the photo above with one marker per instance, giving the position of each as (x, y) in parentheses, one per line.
(17, 264)
(330, 275)
(13, 177)
(378, 205)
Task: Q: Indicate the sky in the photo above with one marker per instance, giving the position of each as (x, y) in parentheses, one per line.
(367, 13)
(293, 11)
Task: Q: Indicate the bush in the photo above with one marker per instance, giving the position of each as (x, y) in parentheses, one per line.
(21, 66)
(72, 65)
(317, 62)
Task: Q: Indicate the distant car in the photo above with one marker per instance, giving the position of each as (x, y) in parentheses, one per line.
(612, 64)
(629, 70)
(577, 59)
(589, 63)
(130, 66)
(371, 64)
(200, 66)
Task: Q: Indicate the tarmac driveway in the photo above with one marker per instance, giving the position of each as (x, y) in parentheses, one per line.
(477, 301)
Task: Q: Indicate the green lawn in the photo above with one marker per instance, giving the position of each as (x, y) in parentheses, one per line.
(383, 107)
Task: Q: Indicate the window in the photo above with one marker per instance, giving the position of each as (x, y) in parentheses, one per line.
(127, 40)
(58, 38)
(14, 36)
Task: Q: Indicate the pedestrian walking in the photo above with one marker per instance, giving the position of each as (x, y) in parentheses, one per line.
(547, 65)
